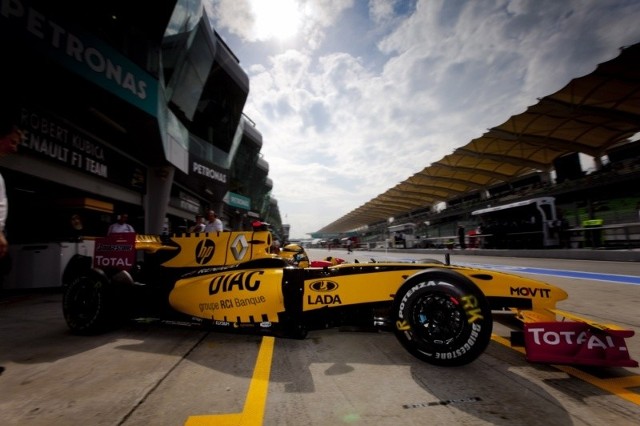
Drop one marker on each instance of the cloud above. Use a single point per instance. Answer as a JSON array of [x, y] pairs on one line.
[[370, 93]]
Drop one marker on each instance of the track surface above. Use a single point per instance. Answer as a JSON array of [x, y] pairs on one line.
[[149, 374]]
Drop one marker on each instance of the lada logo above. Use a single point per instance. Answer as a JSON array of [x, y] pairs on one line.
[[204, 251], [239, 247], [323, 286]]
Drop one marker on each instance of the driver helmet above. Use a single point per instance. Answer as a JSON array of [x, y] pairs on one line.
[[295, 255]]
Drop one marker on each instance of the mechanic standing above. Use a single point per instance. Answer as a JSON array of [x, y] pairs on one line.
[[461, 236], [214, 224], [199, 225], [10, 138], [121, 226]]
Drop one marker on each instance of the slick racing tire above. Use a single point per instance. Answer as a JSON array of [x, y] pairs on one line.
[[442, 318], [89, 304]]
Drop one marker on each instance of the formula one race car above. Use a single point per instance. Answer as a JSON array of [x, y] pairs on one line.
[[441, 313]]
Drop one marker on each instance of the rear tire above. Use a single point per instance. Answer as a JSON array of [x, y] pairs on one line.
[[442, 318], [89, 304]]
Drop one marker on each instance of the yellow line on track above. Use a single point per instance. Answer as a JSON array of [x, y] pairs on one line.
[[619, 386], [253, 412]]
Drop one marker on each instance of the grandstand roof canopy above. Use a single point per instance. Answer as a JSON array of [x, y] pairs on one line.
[[589, 115]]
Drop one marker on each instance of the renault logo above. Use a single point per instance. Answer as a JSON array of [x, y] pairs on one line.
[[239, 247]]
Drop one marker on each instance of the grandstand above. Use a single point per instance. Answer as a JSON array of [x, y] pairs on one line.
[[538, 153]]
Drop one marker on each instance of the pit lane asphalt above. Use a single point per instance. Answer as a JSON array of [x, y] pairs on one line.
[[154, 374]]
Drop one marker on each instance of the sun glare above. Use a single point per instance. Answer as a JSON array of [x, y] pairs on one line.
[[276, 19]]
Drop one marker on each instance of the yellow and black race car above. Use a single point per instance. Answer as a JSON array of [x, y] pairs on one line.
[[441, 313]]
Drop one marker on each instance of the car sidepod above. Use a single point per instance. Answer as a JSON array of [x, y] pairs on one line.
[[234, 297], [442, 317]]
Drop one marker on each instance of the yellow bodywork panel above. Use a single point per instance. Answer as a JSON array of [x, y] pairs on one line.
[[237, 296], [209, 249], [152, 244], [535, 316], [351, 289], [592, 323], [377, 286], [555, 315], [501, 284]]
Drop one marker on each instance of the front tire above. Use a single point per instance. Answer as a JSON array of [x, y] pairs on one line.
[[88, 304], [442, 318]]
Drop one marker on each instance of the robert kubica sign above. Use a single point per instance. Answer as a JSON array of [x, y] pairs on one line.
[[53, 139]]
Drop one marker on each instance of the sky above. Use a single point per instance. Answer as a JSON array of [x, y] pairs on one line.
[[352, 97]]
